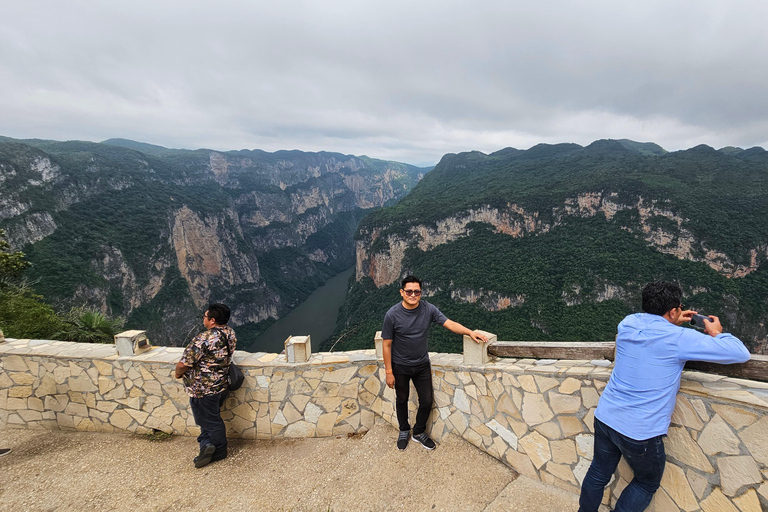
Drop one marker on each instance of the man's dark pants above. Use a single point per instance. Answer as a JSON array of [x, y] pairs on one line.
[[421, 375], [646, 458], [207, 413]]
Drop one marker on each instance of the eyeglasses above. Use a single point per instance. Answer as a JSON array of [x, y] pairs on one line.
[[415, 293], [203, 317], [682, 306]]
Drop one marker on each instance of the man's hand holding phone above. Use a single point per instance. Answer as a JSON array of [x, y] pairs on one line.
[[710, 324]]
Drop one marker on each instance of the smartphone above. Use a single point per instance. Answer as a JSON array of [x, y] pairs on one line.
[[697, 321]]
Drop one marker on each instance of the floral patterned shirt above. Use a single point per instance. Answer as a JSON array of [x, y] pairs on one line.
[[208, 359]]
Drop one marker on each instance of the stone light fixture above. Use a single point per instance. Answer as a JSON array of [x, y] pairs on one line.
[[298, 349], [129, 343]]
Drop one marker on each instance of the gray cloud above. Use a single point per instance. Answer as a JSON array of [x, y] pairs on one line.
[[400, 80]]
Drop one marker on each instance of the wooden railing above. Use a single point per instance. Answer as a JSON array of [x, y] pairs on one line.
[[754, 369]]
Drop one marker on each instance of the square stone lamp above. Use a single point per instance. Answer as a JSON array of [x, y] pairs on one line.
[[129, 343], [298, 349]]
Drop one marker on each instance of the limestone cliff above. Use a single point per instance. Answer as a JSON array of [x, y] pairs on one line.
[[385, 266], [556, 242], [154, 234]]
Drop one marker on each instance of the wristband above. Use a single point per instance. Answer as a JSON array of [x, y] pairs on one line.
[[388, 371]]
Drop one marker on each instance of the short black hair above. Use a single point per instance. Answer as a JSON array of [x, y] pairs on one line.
[[410, 279], [660, 296], [219, 312]]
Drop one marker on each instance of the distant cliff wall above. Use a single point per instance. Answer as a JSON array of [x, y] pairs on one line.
[[384, 266], [155, 236]]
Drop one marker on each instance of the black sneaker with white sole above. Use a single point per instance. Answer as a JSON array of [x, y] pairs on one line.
[[402, 439], [424, 440]]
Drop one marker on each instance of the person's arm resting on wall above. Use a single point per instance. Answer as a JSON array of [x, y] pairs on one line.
[[714, 347], [460, 329]]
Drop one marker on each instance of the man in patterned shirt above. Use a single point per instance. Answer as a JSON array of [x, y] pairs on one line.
[[204, 367]]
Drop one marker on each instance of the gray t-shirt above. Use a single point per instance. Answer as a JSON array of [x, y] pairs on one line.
[[407, 328]]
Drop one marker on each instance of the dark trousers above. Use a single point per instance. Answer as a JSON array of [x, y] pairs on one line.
[[421, 375], [646, 458], [207, 413]]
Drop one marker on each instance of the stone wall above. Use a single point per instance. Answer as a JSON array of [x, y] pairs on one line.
[[535, 416]]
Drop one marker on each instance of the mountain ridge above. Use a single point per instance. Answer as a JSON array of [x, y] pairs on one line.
[[696, 215], [154, 236]]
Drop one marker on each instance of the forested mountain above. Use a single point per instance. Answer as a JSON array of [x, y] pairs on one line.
[[556, 242], [152, 234]]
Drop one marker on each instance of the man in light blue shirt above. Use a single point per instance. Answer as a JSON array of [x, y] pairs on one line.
[[635, 409]]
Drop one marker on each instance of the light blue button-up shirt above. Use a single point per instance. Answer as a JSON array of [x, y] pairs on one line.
[[650, 355]]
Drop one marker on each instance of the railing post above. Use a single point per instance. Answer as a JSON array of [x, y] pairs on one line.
[[298, 349], [378, 342], [477, 353]]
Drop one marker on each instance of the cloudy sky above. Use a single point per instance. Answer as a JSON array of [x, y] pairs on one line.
[[400, 80]]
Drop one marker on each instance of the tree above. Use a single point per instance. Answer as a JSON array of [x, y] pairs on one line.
[[23, 314], [89, 326], [12, 264]]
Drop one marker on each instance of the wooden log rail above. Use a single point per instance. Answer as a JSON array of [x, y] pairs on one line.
[[754, 369]]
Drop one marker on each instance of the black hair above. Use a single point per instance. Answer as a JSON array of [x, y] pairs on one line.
[[660, 296], [219, 312], [410, 279]]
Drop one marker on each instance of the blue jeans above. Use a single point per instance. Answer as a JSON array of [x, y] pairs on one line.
[[207, 413], [646, 458]]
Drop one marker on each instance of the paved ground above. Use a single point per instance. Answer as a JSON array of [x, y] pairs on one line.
[[68, 471]]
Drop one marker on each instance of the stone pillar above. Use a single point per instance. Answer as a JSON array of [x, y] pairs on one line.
[[298, 349], [477, 353], [129, 343], [378, 342], [2, 337]]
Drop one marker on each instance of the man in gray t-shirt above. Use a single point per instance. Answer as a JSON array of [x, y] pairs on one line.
[[406, 357]]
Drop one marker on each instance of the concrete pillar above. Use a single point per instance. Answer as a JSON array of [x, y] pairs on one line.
[[298, 349], [129, 343], [477, 353], [378, 342]]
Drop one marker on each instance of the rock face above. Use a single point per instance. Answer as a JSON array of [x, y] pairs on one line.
[[575, 230], [153, 234], [386, 266]]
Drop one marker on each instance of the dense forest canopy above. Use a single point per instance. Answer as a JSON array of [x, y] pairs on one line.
[[153, 234], [604, 220]]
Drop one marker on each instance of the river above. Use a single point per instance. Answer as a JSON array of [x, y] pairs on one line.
[[315, 317]]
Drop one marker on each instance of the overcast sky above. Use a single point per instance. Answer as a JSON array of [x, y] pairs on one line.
[[399, 80]]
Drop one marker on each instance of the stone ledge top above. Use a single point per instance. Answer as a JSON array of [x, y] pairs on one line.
[[752, 393]]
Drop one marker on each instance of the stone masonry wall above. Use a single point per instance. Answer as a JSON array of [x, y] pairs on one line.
[[535, 416]]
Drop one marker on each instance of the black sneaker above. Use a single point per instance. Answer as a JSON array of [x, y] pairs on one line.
[[402, 439], [424, 440], [206, 452], [6, 451]]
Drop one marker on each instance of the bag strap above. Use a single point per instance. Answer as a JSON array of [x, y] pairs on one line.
[[225, 336]]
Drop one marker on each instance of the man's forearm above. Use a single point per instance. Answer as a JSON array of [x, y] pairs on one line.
[[457, 328], [386, 353], [181, 369]]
